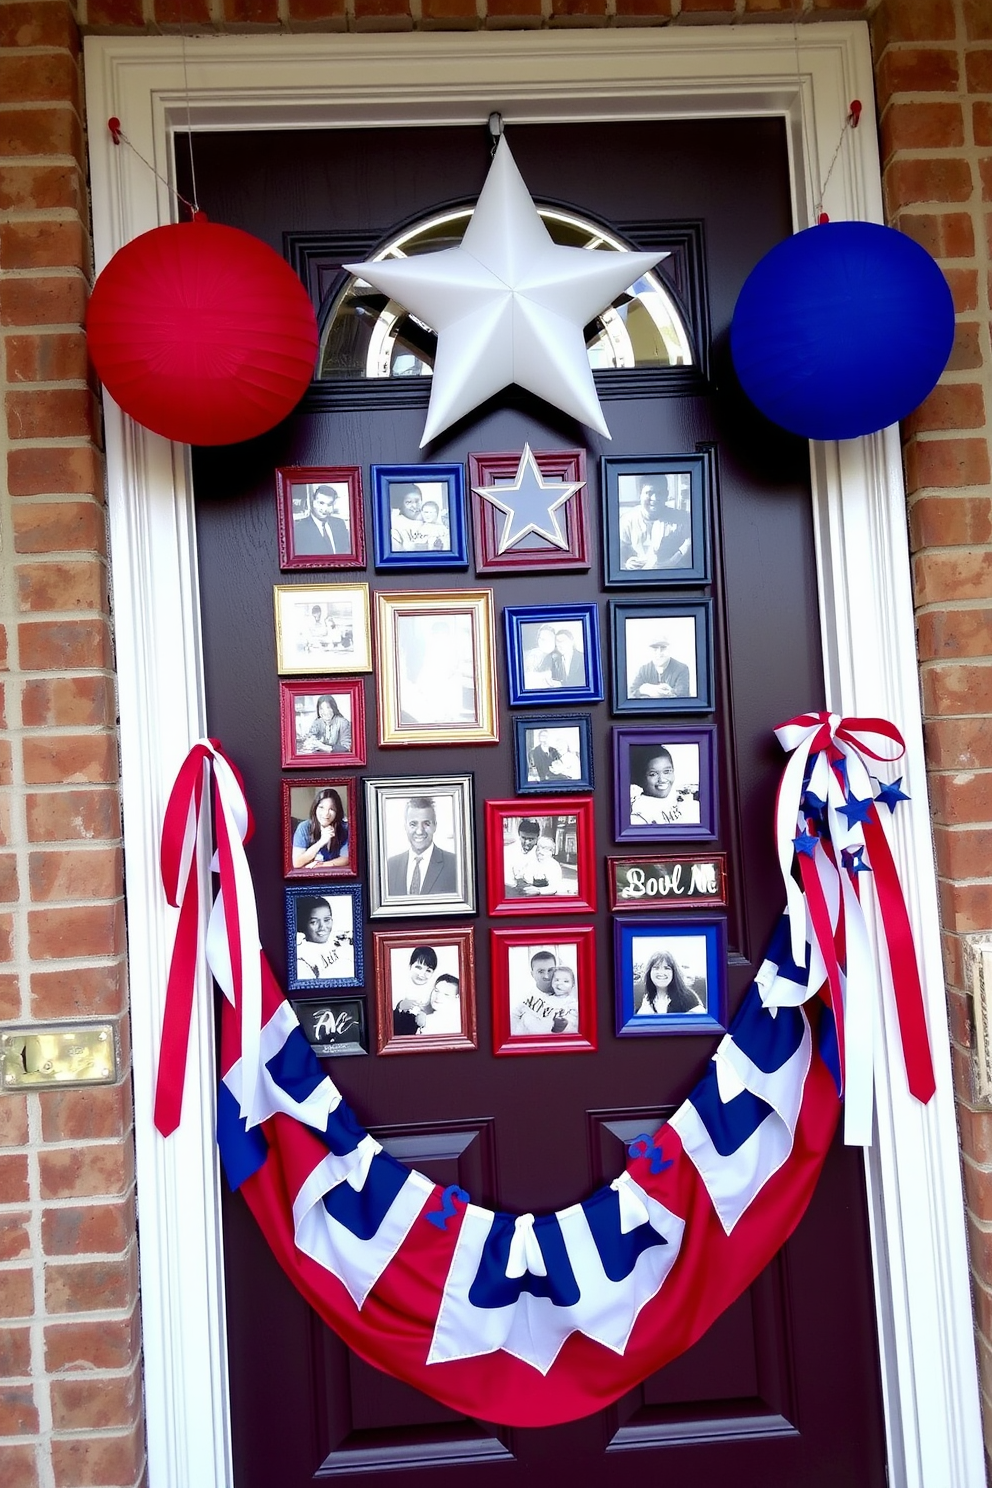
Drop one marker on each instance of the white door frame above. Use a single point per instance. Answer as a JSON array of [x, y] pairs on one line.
[[933, 1424]]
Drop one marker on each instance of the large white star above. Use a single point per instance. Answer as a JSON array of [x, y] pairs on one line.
[[508, 305]]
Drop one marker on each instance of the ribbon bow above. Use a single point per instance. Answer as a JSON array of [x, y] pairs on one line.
[[828, 828], [232, 943]]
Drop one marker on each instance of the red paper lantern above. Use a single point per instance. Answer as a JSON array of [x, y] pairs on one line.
[[202, 333]]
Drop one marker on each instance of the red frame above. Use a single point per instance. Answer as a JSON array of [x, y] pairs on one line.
[[673, 901], [584, 901], [315, 687], [314, 475], [318, 782], [581, 936], [566, 465], [387, 1042]]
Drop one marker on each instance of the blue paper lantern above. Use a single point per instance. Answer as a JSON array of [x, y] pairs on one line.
[[842, 329]]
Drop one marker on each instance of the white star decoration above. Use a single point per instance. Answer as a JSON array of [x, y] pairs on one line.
[[530, 503], [508, 305]]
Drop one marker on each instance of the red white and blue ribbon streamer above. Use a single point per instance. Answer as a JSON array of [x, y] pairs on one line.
[[519, 1319]]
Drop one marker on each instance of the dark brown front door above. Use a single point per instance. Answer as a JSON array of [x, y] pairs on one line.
[[784, 1388]]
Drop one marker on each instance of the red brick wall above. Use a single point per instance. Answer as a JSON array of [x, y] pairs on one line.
[[69, 1347], [934, 80]]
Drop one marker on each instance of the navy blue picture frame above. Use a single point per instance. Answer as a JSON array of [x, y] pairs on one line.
[[690, 942], [523, 694], [694, 568], [453, 477], [353, 963], [700, 612], [531, 724]]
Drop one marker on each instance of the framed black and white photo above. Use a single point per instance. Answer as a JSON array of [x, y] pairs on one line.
[[655, 519], [436, 667], [671, 976], [418, 516], [322, 724], [553, 753], [324, 936], [552, 654], [322, 628], [319, 516], [665, 784], [425, 990], [544, 990], [540, 856], [320, 828], [420, 847], [662, 657], [334, 1026]]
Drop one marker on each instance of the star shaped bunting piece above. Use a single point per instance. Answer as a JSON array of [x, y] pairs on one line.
[[854, 860], [891, 794], [855, 810], [805, 842], [508, 304], [530, 503]]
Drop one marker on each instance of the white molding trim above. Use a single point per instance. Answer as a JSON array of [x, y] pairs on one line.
[[916, 1212]]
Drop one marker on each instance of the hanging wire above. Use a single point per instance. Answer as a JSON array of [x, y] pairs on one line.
[[851, 122], [120, 138], [189, 126]]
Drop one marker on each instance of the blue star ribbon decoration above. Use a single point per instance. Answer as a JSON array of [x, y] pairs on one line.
[[812, 803], [530, 503], [805, 842], [853, 860], [891, 794], [856, 810]]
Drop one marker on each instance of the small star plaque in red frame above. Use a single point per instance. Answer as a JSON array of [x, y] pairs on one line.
[[532, 550]]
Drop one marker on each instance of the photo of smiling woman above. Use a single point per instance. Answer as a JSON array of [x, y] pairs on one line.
[[318, 821], [663, 988]]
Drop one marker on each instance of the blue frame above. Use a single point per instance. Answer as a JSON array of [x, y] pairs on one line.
[[713, 930], [699, 467], [353, 892], [701, 612], [516, 616], [454, 477], [530, 724]]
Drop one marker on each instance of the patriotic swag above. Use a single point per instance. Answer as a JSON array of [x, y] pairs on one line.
[[527, 1320]]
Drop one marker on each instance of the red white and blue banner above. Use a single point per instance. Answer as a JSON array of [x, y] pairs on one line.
[[523, 1319]]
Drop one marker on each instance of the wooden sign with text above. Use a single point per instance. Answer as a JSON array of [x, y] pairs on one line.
[[694, 880]]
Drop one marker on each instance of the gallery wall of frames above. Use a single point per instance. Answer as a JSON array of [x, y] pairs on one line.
[[404, 863]]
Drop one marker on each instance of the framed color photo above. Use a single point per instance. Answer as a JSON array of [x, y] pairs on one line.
[[544, 990], [553, 753], [662, 657], [418, 516], [665, 784], [496, 548], [322, 723], [319, 516], [671, 976], [323, 628], [425, 990], [540, 856], [324, 937], [552, 654], [436, 667], [656, 519], [334, 1025], [420, 847], [691, 881], [320, 828]]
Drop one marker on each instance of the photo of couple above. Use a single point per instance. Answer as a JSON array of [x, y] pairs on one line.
[[553, 656]]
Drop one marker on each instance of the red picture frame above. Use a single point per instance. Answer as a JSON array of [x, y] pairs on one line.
[[524, 1010], [297, 797], [294, 485], [526, 876], [533, 551], [295, 711], [460, 944]]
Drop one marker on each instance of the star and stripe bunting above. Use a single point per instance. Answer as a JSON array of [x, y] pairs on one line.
[[520, 1319]]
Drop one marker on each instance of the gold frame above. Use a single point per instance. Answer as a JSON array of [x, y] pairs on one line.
[[390, 605], [325, 662]]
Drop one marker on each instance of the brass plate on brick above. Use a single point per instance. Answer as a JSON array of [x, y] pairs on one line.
[[43, 1058]]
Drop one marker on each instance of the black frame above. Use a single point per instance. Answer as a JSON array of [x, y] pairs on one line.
[[586, 779], [697, 467], [701, 611]]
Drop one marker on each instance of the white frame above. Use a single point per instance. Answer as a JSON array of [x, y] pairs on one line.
[[933, 1425]]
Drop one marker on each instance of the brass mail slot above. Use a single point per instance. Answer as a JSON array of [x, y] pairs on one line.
[[41, 1058]]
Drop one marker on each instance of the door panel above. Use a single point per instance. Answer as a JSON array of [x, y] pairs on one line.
[[761, 1396]]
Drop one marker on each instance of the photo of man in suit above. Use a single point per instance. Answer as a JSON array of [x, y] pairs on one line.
[[321, 533], [423, 868]]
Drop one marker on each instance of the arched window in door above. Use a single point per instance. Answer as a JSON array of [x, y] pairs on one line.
[[367, 335]]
